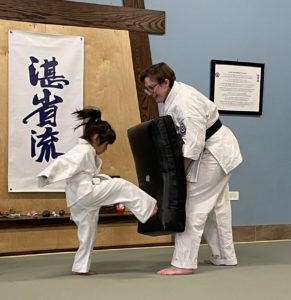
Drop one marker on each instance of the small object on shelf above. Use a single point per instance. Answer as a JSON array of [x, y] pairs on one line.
[[11, 213], [119, 208], [14, 215], [61, 212], [33, 214], [46, 213]]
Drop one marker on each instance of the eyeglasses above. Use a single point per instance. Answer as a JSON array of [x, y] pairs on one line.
[[150, 89]]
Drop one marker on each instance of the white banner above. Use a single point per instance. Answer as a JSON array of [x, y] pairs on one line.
[[45, 85]]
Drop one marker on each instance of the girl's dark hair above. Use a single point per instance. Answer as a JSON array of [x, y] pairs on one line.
[[159, 72], [91, 120]]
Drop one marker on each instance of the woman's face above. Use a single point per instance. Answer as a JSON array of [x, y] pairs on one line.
[[99, 148], [159, 91]]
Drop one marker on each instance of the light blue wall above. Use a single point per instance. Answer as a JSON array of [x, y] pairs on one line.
[[245, 30]]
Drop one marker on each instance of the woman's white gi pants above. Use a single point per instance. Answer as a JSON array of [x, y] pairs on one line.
[[86, 212], [208, 212]]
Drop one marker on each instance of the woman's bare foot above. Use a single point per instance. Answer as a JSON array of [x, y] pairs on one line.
[[154, 210], [90, 272], [175, 271]]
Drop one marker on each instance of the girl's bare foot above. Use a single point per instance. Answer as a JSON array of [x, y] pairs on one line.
[[175, 271]]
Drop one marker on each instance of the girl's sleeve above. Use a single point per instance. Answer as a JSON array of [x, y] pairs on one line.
[[63, 167]]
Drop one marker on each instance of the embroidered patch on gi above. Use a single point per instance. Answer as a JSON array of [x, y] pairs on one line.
[[182, 128]]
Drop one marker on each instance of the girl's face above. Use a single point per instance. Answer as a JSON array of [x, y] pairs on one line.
[[159, 91], [99, 148]]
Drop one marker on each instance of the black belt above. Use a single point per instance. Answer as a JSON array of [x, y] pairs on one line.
[[211, 130]]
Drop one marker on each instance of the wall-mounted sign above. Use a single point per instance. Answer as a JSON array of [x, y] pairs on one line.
[[237, 87]]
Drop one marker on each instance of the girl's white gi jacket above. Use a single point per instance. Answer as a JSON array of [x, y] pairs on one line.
[[80, 167], [193, 113]]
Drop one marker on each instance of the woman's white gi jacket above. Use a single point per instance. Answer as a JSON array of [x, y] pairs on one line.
[[80, 167], [193, 113]]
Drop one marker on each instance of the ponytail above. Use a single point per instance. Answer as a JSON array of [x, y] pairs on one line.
[[91, 121]]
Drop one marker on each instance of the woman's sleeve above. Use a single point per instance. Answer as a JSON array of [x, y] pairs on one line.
[[193, 137]]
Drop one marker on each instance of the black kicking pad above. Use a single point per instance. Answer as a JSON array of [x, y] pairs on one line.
[[157, 153]]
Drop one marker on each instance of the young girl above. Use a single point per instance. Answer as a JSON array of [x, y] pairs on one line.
[[87, 190]]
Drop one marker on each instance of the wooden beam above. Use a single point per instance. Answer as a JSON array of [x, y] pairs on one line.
[[141, 57], [68, 13]]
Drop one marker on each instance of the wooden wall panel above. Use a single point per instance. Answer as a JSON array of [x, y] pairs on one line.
[[109, 85]]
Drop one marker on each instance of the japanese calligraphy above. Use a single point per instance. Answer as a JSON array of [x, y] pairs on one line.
[[43, 143]]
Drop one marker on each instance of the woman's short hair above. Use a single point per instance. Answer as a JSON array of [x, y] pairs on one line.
[[159, 72]]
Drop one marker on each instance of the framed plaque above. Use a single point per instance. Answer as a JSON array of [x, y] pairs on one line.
[[237, 87]]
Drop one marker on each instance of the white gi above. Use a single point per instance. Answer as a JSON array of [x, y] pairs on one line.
[[208, 209], [87, 191]]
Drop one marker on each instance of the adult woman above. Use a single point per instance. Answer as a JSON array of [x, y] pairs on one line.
[[211, 152]]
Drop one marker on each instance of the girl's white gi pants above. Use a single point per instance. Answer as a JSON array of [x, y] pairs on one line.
[[86, 212], [208, 212]]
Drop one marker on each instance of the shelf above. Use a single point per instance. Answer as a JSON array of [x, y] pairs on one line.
[[29, 222]]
